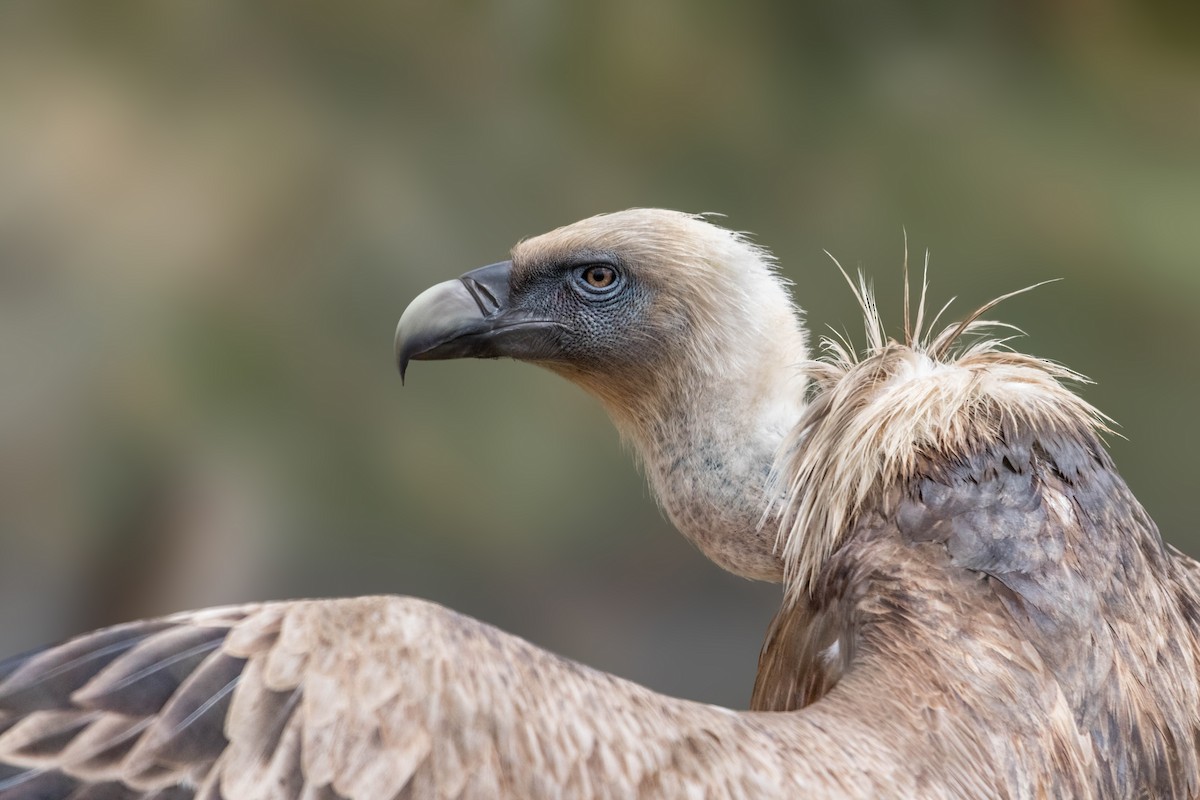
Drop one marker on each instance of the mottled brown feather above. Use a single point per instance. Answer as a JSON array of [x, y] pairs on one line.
[[957, 536]]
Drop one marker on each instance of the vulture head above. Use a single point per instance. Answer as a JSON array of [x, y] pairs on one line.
[[684, 332]]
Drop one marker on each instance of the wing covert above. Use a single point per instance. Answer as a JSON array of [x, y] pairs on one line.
[[360, 699]]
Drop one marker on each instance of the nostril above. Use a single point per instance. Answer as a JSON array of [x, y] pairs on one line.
[[487, 302]]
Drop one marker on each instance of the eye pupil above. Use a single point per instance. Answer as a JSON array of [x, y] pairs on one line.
[[600, 277]]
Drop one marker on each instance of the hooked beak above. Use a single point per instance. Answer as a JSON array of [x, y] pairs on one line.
[[470, 317]]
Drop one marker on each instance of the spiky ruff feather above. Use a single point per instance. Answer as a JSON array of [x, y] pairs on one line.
[[872, 417]]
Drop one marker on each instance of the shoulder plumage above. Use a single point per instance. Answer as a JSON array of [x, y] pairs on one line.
[[948, 503], [933, 398], [929, 401]]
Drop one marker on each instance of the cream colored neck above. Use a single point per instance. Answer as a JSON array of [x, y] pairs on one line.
[[708, 446]]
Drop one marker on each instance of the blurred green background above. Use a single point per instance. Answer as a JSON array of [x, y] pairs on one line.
[[212, 214]]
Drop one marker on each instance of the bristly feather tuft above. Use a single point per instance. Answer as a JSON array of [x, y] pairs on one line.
[[873, 415]]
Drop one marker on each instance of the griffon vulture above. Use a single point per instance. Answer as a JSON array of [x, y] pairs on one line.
[[976, 606]]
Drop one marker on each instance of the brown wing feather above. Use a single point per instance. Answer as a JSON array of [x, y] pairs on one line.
[[378, 698], [74, 715]]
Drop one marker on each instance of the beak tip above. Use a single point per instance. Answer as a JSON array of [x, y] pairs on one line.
[[400, 350]]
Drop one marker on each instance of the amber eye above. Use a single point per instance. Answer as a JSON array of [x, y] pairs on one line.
[[599, 276], [598, 281]]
